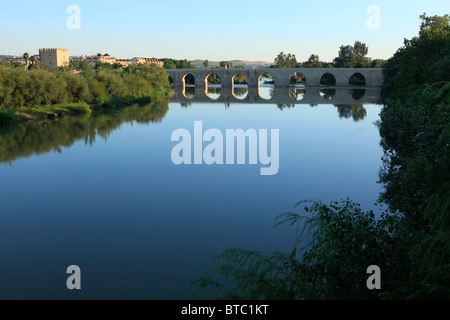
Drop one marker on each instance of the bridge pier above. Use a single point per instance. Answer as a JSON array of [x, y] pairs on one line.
[[342, 81]]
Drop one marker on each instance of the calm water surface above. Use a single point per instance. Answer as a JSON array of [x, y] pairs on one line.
[[103, 193]]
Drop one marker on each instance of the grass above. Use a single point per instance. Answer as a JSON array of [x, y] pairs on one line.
[[51, 111]]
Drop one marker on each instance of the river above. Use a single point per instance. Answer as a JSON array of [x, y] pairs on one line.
[[103, 193]]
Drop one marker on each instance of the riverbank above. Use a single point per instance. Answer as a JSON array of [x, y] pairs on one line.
[[10, 117], [38, 94]]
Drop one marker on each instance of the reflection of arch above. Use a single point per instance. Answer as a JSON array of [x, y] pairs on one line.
[[357, 79], [239, 78], [213, 92], [188, 79], [188, 92], [327, 94], [357, 93], [266, 93], [240, 91], [327, 79], [297, 94], [297, 78]]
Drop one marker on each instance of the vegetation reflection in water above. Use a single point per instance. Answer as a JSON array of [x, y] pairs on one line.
[[39, 137]]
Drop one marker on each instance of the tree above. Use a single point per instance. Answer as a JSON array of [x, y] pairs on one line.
[[285, 61], [117, 66], [434, 27], [206, 63], [33, 61], [346, 57], [176, 64], [360, 50], [313, 62], [26, 56], [377, 63], [352, 56]]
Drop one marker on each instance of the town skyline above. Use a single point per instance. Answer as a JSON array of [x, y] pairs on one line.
[[253, 32]]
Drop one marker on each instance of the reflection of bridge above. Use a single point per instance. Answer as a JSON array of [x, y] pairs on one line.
[[373, 76], [286, 96]]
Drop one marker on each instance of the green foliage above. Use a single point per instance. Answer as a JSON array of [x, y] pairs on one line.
[[340, 241], [38, 87], [313, 62], [422, 60], [176, 64], [214, 79], [352, 56], [7, 117], [285, 61], [415, 128], [378, 63]]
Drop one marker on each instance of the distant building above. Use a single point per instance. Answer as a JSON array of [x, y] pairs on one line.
[[54, 57], [106, 58], [12, 59], [124, 62], [159, 63]]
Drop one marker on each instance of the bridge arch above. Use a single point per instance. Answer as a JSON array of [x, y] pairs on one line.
[[357, 79], [188, 79], [213, 86], [327, 79], [266, 84], [239, 78], [297, 78]]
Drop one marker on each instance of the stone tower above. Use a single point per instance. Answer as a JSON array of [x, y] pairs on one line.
[[54, 57]]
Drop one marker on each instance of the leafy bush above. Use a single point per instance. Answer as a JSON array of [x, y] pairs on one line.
[[340, 242], [37, 87]]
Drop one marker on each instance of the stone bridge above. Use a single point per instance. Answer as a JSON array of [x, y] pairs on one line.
[[373, 76], [282, 96]]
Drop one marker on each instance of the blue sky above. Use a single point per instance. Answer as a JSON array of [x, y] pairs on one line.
[[214, 30]]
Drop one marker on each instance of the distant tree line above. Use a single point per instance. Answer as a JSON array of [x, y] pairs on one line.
[[348, 57], [176, 64]]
